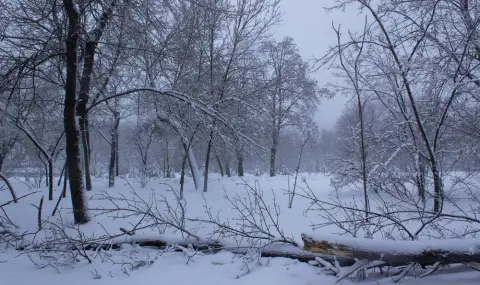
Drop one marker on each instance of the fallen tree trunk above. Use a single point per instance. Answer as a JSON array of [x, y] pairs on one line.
[[272, 250], [395, 252]]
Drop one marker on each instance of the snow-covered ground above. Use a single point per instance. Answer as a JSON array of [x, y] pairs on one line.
[[134, 265]]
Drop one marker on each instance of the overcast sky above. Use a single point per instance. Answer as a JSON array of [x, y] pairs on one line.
[[311, 27]]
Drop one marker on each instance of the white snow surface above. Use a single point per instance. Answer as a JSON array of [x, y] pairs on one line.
[[155, 267]]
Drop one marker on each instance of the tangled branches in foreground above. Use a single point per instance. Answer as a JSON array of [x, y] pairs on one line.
[[400, 215], [160, 220], [404, 221], [257, 223], [10, 233]]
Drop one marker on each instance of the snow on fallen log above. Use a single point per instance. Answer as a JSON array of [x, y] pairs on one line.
[[210, 246], [395, 252]]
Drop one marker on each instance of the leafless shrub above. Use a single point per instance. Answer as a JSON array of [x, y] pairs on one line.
[[257, 223], [131, 258], [62, 244], [10, 233], [255, 226], [401, 214], [158, 213]]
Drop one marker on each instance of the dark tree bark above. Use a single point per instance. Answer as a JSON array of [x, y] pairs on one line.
[[273, 157], [113, 149], [82, 108], [65, 180], [240, 163], [84, 94], [207, 162], [420, 179], [363, 153], [61, 173], [276, 115], [50, 179], [117, 157], [182, 175], [86, 150], [72, 134], [62, 195]]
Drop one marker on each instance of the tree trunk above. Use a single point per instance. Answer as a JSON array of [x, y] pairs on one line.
[[227, 167], [273, 156], [191, 158], [61, 173], [45, 166], [50, 180], [275, 250], [273, 150], [437, 188], [65, 180], [420, 178], [84, 94], [113, 149], [207, 162], [164, 164], [83, 121], [187, 145], [62, 195], [395, 252], [81, 108], [117, 156], [182, 175], [111, 166], [239, 164], [166, 160], [219, 162], [192, 162], [363, 154], [72, 134]]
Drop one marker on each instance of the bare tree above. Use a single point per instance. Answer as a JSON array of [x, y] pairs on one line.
[[402, 88], [292, 93]]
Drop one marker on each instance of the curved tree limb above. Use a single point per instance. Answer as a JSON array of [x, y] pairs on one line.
[[10, 187]]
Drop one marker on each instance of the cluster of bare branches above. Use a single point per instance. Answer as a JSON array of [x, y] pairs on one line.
[[398, 215], [253, 227], [256, 224], [11, 235], [408, 141], [159, 213]]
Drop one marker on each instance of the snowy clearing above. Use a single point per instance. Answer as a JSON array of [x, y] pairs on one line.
[[146, 265]]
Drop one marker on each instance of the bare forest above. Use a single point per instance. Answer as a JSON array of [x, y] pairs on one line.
[[134, 132]]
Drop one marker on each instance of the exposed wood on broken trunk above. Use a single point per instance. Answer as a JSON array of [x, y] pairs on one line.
[[395, 253]]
